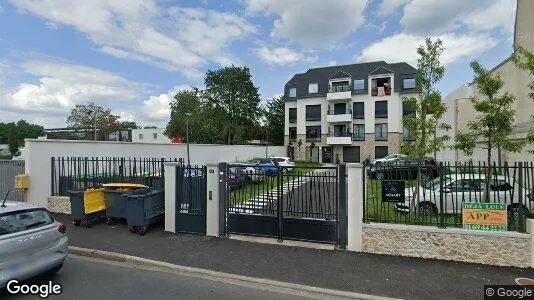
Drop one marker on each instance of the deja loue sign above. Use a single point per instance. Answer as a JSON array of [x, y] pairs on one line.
[[485, 216], [392, 191]]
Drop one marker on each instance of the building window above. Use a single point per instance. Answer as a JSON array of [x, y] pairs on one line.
[[293, 92], [292, 133], [381, 151], [408, 83], [292, 115], [358, 110], [359, 85], [155, 135], [359, 132], [407, 109], [406, 134], [381, 132], [340, 86], [313, 88], [313, 133], [140, 136], [381, 87], [381, 109], [313, 112]]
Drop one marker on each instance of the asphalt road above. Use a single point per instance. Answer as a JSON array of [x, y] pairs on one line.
[[83, 278]]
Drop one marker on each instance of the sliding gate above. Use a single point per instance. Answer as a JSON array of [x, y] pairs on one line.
[[301, 204]]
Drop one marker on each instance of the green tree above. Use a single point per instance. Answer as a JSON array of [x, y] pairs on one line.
[[494, 120], [275, 114], [524, 60], [231, 94], [187, 102], [90, 116], [14, 134], [427, 107]]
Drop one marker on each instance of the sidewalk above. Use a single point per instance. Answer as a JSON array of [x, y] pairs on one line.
[[380, 275]]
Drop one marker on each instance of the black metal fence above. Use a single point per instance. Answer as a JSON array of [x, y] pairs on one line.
[[8, 170], [191, 189], [424, 193], [70, 173]]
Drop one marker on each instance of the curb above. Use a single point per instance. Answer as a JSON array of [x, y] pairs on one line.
[[258, 283]]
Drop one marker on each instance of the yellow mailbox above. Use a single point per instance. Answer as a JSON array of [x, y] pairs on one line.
[[22, 181]]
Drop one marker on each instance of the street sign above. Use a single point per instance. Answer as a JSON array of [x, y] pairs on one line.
[[392, 191], [485, 216]]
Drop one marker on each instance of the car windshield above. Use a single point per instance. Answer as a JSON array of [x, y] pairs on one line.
[[23, 220], [265, 161]]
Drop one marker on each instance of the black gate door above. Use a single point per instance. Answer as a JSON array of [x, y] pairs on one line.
[[301, 204], [191, 199]]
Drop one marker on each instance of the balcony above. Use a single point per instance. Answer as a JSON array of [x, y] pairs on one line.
[[334, 116], [342, 92], [339, 139], [381, 91]]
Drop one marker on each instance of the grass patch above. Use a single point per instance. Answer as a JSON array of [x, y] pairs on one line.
[[270, 183]]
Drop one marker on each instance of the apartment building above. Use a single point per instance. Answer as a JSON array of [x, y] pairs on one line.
[[347, 113], [460, 110]]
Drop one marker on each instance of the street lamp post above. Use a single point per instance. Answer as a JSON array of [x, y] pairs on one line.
[[187, 137]]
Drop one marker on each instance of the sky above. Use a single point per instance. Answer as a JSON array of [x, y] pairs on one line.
[[134, 55]]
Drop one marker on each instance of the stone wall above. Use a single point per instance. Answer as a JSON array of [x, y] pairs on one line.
[[59, 204], [491, 248]]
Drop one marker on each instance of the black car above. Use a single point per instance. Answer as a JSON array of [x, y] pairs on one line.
[[236, 178], [404, 169]]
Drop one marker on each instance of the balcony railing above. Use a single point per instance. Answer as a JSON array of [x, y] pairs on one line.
[[358, 116], [313, 139], [381, 137], [337, 112], [387, 91], [340, 134], [292, 120], [358, 137], [340, 88]]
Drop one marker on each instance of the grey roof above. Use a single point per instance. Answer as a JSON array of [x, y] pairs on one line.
[[15, 206], [356, 71]]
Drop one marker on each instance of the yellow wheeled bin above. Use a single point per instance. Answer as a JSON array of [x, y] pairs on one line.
[[87, 206]]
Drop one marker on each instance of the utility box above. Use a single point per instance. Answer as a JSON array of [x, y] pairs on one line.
[[22, 181]]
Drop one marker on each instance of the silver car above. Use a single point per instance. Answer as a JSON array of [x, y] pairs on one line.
[[31, 242]]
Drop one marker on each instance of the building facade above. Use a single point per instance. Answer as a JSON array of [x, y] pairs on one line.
[[150, 135], [347, 113], [460, 110]]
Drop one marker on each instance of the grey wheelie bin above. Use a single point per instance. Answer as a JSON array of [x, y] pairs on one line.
[[114, 194], [87, 206], [144, 208]]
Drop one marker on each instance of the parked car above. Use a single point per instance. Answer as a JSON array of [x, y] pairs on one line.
[[31, 242], [236, 178], [389, 158], [404, 169], [284, 162], [268, 166], [252, 174], [466, 188]]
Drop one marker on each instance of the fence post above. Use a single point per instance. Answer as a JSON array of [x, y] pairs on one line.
[[280, 205], [53, 172], [224, 197], [342, 206], [213, 210], [170, 197], [521, 212], [441, 203], [356, 182]]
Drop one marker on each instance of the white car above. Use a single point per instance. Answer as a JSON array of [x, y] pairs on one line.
[[389, 158], [465, 188], [284, 162]]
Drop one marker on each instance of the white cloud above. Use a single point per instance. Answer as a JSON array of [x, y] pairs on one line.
[[282, 56], [176, 39], [156, 109], [1, 10], [387, 7], [424, 17], [402, 47], [312, 23]]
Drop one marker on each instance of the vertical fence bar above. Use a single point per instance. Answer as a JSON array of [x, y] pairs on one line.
[[342, 207], [53, 175], [280, 208], [520, 216], [441, 198]]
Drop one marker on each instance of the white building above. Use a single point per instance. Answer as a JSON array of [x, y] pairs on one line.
[[347, 113], [4, 150], [150, 135]]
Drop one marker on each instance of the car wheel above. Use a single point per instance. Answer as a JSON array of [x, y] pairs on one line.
[[76, 223], [427, 208], [514, 211]]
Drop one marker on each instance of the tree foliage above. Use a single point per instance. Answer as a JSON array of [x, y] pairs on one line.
[[274, 115], [427, 107], [227, 111], [494, 120], [14, 134], [524, 60]]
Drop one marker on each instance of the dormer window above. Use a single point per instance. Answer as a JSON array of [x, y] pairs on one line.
[[293, 92], [408, 83], [381, 86], [340, 86], [313, 88]]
